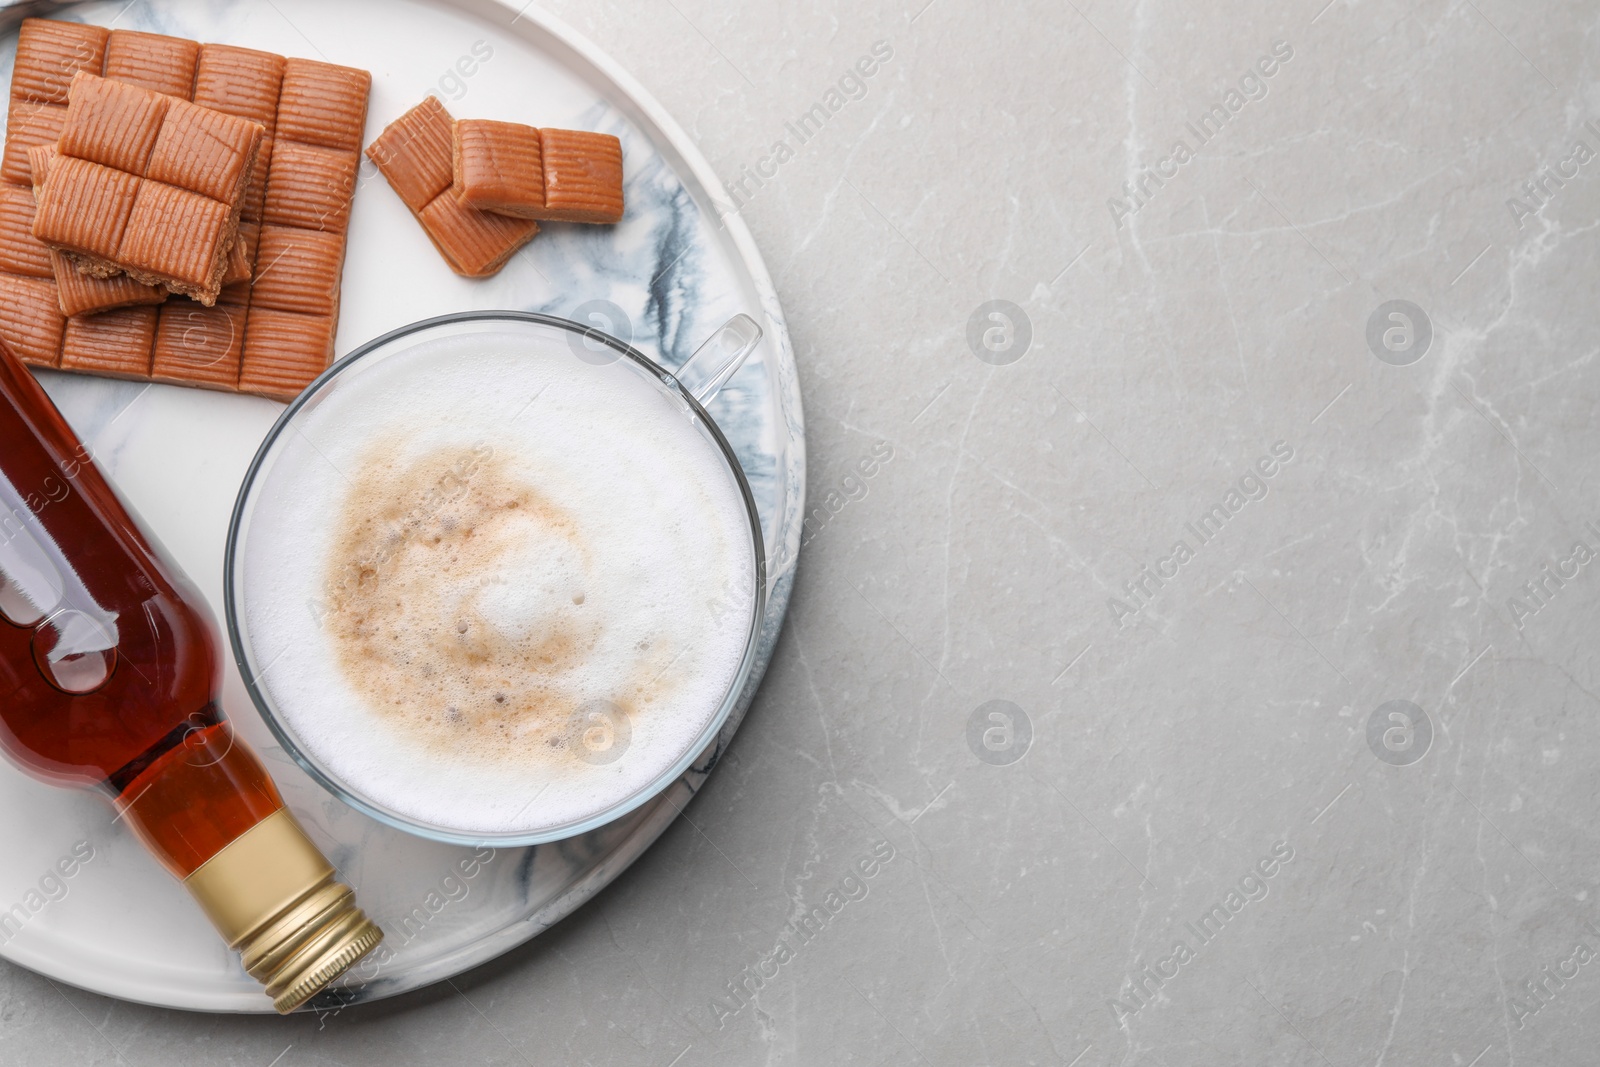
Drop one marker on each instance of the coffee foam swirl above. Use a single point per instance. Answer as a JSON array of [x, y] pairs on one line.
[[431, 626], [527, 582]]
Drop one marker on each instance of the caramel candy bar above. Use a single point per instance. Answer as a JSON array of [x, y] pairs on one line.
[[80, 294], [273, 346], [147, 185], [414, 155], [554, 175]]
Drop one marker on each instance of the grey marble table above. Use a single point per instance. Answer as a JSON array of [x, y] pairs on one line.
[[1191, 659]]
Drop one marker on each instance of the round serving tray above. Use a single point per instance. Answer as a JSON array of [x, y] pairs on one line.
[[675, 268]]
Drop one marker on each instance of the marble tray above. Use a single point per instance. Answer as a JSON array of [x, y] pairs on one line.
[[675, 269]]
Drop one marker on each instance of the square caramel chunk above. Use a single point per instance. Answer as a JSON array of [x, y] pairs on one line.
[[31, 322], [476, 244], [310, 187], [297, 270], [323, 104], [29, 126], [499, 167], [112, 124], [284, 351], [152, 61], [582, 176], [204, 151], [115, 344], [177, 238], [49, 53], [85, 207], [199, 345], [240, 81], [414, 155], [20, 252]]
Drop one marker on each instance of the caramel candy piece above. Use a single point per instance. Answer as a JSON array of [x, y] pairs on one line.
[[323, 104], [84, 294], [112, 124], [152, 61], [85, 207], [412, 153], [240, 81], [498, 166], [284, 351], [582, 176], [49, 53], [204, 151], [297, 270], [20, 252], [114, 343], [310, 187], [178, 239], [198, 345], [28, 126], [475, 243], [80, 293], [31, 319]]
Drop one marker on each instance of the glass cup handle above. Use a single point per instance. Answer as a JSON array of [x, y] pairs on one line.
[[724, 352]]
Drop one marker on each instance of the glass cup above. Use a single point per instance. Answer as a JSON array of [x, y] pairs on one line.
[[688, 390]]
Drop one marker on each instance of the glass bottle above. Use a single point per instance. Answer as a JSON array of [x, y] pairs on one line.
[[110, 674]]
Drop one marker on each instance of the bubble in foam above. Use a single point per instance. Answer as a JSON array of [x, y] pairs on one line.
[[521, 608]]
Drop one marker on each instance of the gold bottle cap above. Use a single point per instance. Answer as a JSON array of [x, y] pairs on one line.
[[273, 896]]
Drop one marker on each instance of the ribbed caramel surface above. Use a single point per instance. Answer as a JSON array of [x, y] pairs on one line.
[[31, 320], [204, 151], [49, 53], [152, 61], [242, 254], [240, 81], [413, 153], [323, 105], [284, 350], [197, 345], [476, 243], [310, 187], [85, 207], [294, 267], [175, 234], [29, 125], [582, 176], [83, 294], [114, 343], [112, 124], [498, 166], [19, 252]]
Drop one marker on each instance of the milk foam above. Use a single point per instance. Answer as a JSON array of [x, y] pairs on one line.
[[497, 593]]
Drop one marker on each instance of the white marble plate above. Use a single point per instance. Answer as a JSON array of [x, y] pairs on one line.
[[119, 925]]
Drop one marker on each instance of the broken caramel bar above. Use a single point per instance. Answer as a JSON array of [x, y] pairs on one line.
[[414, 155], [554, 175], [147, 185], [273, 347]]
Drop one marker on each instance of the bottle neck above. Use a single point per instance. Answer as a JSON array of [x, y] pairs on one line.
[[193, 799]]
